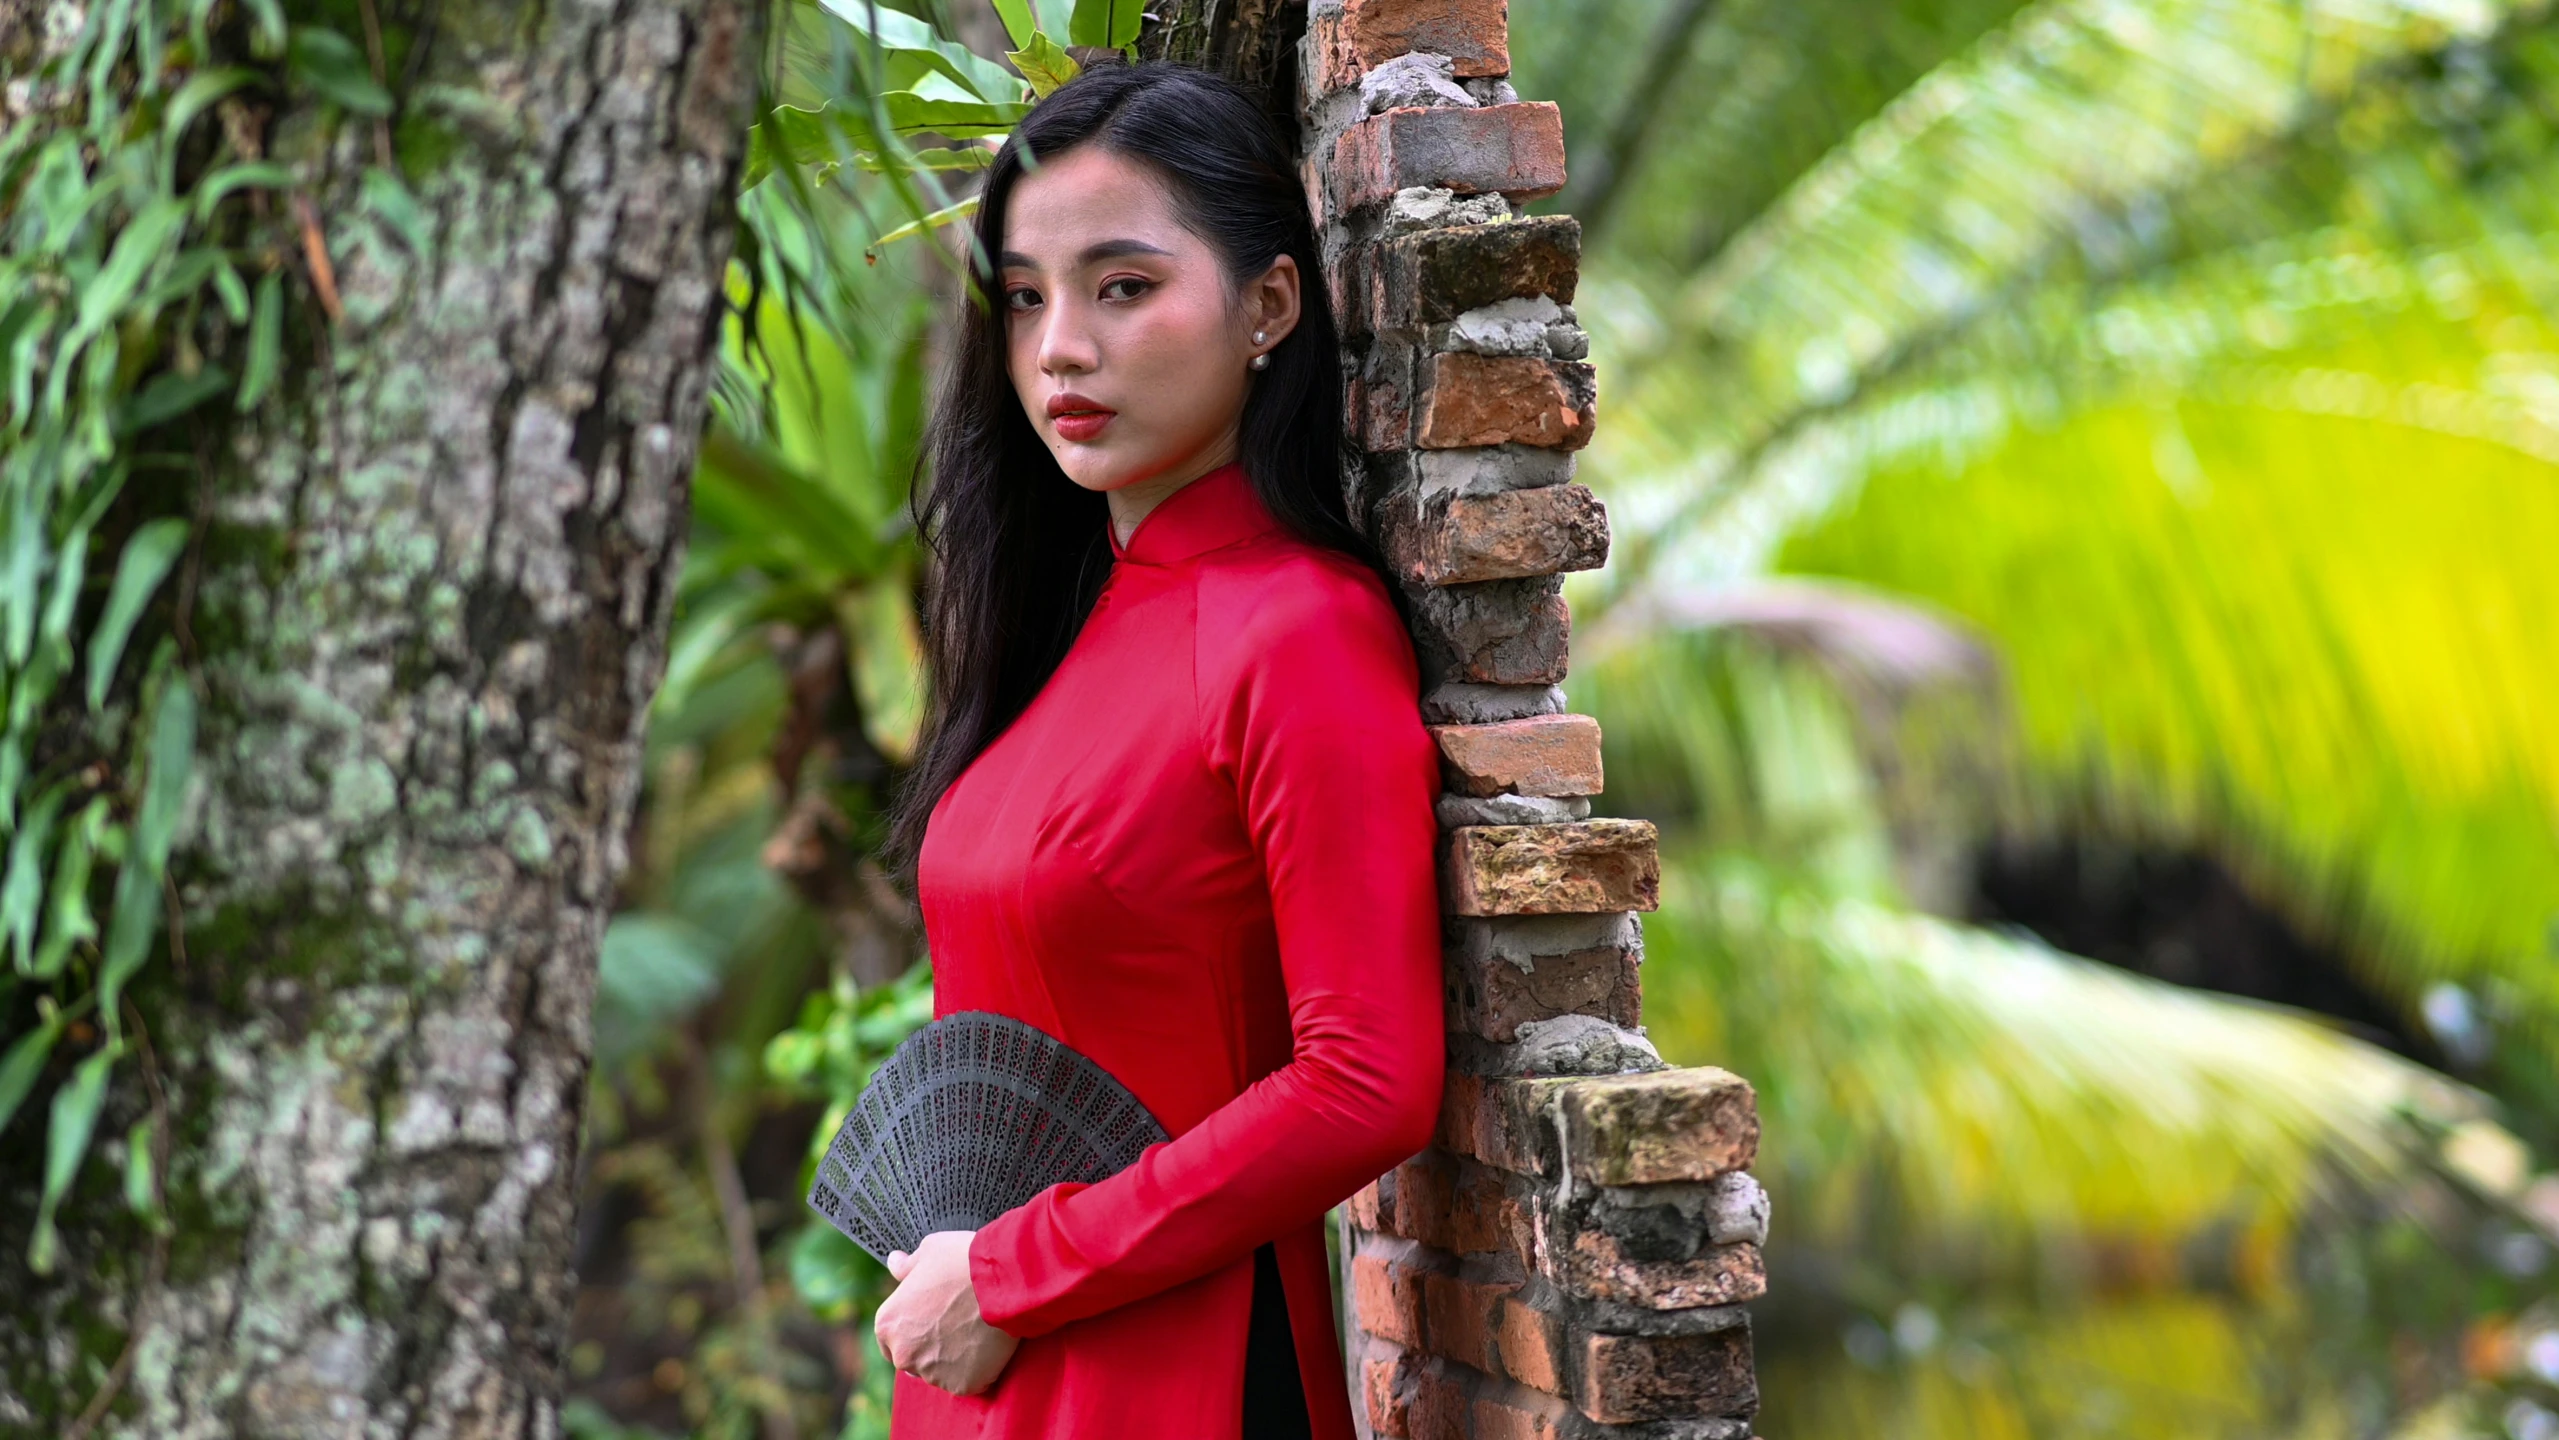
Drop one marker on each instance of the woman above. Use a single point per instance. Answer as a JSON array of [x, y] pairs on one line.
[[1174, 805]]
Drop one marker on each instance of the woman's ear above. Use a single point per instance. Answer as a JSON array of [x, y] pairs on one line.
[[1272, 302]]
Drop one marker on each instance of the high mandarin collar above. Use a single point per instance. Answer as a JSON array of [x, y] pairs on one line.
[[1217, 509]]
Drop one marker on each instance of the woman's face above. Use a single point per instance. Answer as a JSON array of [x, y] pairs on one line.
[[1130, 354]]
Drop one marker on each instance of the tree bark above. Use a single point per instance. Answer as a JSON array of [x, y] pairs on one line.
[[428, 610], [1253, 42]]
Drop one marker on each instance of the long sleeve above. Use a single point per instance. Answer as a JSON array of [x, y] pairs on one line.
[[1306, 703]]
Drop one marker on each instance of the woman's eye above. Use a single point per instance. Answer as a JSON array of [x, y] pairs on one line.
[[1143, 285], [1012, 297]]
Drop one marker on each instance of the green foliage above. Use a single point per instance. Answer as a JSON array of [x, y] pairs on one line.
[[123, 311], [887, 77], [1964, 1093], [842, 1036], [2198, 354]]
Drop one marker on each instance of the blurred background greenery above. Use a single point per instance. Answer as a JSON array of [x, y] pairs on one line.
[[2086, 563]]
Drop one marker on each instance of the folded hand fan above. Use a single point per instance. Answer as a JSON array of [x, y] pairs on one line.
[[970, 1116]]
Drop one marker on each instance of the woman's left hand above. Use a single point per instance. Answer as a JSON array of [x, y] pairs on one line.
[[929, 1325]]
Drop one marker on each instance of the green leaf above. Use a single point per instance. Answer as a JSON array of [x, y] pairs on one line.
[[138, 247], [266, 174], [1044, 63], [827, 1269], [199, 94], [938, 157], [62, 601], [268, 38], [332, 66], [171, 761], [1111, 23], [843, 131], [135, 917], [137, 1168], [387, 196], [66, 1140], [235, 295], [266, 342], [1018, 23], [68, 919], [191, 269], [169, 396], [902, 51], [934, 221], [146, 560], [24, 1062], [655, 967], [21, 573], [22, 893]]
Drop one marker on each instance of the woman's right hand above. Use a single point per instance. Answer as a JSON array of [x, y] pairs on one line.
[[929, 1326]]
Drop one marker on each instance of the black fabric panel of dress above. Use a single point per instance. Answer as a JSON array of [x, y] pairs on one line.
[[1274, 1395]]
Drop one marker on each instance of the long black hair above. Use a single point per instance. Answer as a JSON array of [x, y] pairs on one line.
[[1020, 550]]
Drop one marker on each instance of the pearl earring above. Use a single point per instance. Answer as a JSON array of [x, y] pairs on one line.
[[1260, 362]]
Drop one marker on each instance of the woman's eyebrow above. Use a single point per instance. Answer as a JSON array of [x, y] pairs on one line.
[[1098, 250]]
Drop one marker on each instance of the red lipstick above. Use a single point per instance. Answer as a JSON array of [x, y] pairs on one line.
[[1078, 417]]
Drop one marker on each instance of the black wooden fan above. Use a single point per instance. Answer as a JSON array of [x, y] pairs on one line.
[[970, 1116]]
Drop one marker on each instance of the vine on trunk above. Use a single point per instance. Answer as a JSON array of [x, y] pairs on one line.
[[146, 245]]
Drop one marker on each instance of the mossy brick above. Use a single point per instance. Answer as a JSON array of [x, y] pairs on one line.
[[1595, 1265], [1583, 867], [1513, 534], [1690, 1124], [1627, 1379], [1433, 276]]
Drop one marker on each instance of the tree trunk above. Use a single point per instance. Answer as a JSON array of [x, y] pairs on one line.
[[1253, 42], [428, 610]]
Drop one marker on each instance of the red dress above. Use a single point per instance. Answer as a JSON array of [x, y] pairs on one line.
[[1202, 856]]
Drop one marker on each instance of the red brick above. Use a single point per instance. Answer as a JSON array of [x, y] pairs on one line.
[[1539, 755], [1461, 1315], [1364, 34], [1470, 399], [1491, 997], [1581, 868], [1531, 1345], [1364, 1208], [1381, 397], [1386, 1287], [1443, 1399], [1517, 149], [1519, 1414], [1598, 1267], [1463, 539], [1632, 1378], [1455, 1205], [1387, 1382]]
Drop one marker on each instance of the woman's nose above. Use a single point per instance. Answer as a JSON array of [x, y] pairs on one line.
[[1066, 341]]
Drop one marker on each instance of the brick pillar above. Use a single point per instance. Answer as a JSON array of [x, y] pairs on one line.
[[1570, 1256]]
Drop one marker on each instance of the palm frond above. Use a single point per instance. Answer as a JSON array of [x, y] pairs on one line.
[[2059, 150]]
